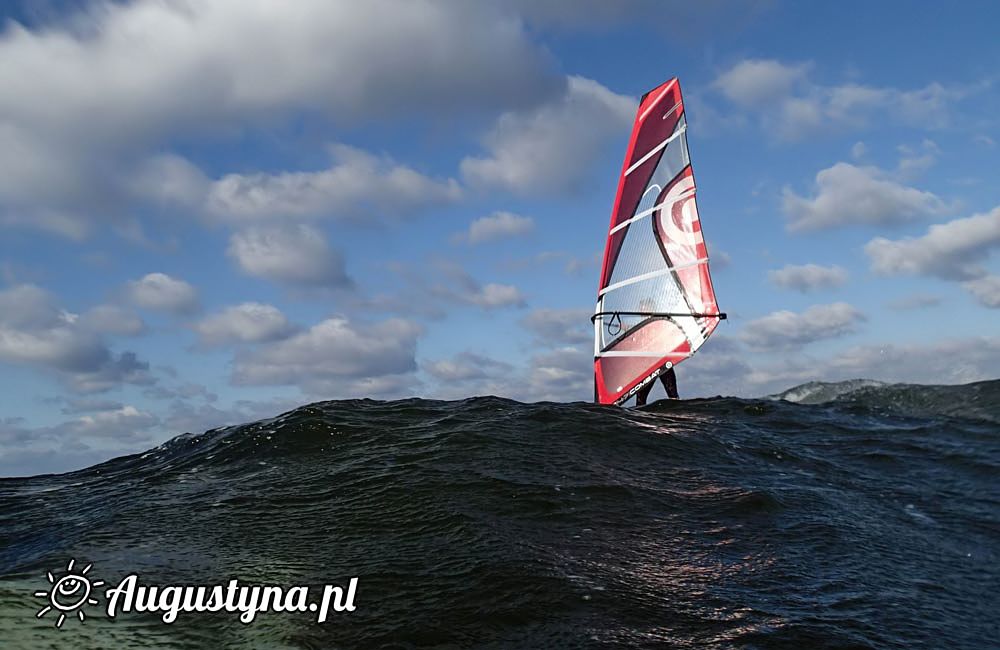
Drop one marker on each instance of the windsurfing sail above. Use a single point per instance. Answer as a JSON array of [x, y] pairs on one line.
[[655, 304]]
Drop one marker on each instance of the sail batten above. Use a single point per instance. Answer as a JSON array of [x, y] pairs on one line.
[[655, 303]]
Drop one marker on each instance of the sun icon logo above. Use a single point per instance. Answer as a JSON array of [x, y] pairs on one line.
[[70, 593]]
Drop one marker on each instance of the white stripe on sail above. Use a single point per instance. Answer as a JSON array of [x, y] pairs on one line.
[[651, 274], [646, 213], [643, 353], [654, 150], [674, 108], [656, 101]]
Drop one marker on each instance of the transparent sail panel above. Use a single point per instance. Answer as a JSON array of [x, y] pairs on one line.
[[675, 158], [640, 253], [658, 294]]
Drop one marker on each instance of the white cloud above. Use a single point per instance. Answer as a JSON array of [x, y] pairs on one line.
[[858, 150], [986, 290], [249, 322], [494, 296], [786, 328], [948, 361], [29, 306], [183, 391], [551, 149], [428, 289], [499, 225], [789, 104], [194, 68], [915, 301], [71, 445], [565, 373], [184, 416], [847, 194], [35, 333], [951, 251], [111, 372], [88, 405], [724, 366], [808, 277], [113, 319], [124, 422], [354, 186], [332, 356], [160, 292], [754, 82], [169, 179], [459, 286], [465, 367], [560, 326], [914, 161], [295, 255]]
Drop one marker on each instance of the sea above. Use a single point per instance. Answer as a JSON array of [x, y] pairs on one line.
[[830, 516]]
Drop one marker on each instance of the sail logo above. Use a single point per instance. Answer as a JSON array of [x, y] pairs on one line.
[[72, 591]]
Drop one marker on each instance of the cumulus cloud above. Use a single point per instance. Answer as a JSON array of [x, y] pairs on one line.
[[294, 255], [950, 251], [160, 292], [847, 194], [560, 326], [126, 421], [113, 319], [499, 225], [808, 277], [163, 69], [914, 161], [786, 328], [111, 372], [457, 285], [103, 430], [184, 391], [788, 103], [551, 149], [249, 322], [185, 416], [915, 301], [35, 332], [753, 82], [332, 356], [87, 405], [986, 290], [358, 182], [464, 367], [493, 296], [950, 361], [560, 374]]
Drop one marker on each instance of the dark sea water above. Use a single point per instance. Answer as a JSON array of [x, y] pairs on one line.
[[860, 516]]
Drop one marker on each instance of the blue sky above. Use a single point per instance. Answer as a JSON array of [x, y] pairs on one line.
[[214, 211]]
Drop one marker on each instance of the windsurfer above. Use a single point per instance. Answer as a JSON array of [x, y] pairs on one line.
[[667, 377], [669, 381]]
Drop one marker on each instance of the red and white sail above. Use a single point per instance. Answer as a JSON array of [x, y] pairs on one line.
[[655, 303]]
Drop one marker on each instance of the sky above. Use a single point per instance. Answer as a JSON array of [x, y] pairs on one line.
[[212, 212]]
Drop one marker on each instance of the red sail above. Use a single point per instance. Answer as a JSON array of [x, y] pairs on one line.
[[655, 303]]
